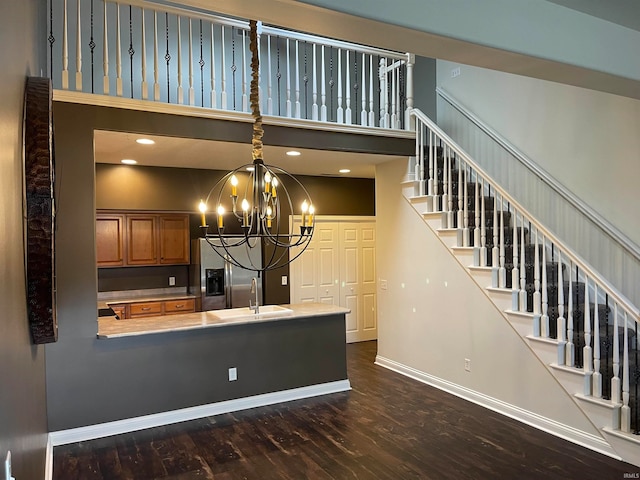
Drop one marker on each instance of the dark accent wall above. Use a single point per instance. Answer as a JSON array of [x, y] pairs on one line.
[[424, 74], [91, 380], [23, 414]]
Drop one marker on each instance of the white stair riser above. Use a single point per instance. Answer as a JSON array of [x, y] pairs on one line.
[[465, 257], [547, 352], [449, 237], [627, 449], [501, 299], [600, 415], [481, 276], [572, 382]]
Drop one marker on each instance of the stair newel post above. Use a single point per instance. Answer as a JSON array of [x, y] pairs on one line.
[[465, 216], [587, 351], [483, 230], [523, 271], [537, 300], [597, 376], [561, 332], [570, 350], [476, 223], [495, 248], [625, 411], [515, 272], [615, 381], [502, 273], [544, 319], [411, 60], [445, 187]]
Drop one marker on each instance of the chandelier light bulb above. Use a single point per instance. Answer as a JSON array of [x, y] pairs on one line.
[[234, 185], [220, 216], [203, 209], [274, 184]]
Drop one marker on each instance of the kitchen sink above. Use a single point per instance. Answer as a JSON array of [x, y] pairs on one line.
[[264, 311]]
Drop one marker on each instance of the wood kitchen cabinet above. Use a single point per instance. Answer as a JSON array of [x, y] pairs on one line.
[[141, 238], [110, 240], [153, 308]]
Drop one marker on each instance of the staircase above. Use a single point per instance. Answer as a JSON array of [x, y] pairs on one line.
[[580, 327]]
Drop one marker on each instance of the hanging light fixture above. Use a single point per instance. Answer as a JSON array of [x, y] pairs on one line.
[[258, 200]]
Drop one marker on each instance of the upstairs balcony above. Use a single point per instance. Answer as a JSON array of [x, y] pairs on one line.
[[146, 56]]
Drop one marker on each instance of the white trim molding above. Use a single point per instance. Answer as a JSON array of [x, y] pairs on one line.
[[592, 442], [90, 432]]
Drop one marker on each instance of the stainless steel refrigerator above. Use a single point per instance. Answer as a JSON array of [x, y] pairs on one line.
[[217, 282]]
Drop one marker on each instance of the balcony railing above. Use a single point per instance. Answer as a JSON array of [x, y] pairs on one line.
[[146, 51]]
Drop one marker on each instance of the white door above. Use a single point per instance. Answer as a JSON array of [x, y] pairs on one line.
[[358, 279]]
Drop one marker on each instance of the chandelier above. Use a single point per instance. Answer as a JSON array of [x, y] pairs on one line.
[[263, 203]]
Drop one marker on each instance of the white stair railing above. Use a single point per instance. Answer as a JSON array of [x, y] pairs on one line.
[[594, 336], [206, 64]]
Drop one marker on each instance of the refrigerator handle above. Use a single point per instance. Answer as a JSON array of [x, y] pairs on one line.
[[227, 283]]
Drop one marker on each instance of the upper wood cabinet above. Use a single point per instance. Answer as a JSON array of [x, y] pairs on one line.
[[110, 240], [133, 239]]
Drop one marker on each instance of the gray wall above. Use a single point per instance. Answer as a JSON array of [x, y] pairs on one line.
[[90, 380], [23, 423]]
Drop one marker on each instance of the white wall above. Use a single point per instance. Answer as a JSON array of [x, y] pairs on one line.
[[433, 315], [589, 141]]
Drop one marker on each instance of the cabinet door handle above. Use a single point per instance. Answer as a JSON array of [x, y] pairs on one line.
[[180, 306], [144, 309]]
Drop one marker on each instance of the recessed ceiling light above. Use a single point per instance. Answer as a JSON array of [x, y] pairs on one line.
[[128, 161], [293, 153], [344, 170], [145, 141]]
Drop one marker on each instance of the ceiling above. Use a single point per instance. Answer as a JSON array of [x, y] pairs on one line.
[[621, 12], [112, 147]]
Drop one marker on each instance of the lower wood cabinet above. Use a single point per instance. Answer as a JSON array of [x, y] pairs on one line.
[[153, 309]]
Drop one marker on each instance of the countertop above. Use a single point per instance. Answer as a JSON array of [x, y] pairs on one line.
[[109, 327]]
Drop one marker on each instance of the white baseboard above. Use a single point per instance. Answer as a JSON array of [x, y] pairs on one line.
[[80, 434], [566, 432]]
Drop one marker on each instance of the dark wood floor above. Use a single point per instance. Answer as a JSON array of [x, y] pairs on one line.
[[388, 427]]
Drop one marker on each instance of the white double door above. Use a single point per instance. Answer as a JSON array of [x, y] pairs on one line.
[[338, 268]]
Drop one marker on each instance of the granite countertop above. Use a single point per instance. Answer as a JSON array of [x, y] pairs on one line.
[[133, 296], [109, 327]]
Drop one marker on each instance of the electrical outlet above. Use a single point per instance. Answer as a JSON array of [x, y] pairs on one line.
[[233, 374], [455, 72], [383, 284], [467, 365], [284, 280], [172, 281]]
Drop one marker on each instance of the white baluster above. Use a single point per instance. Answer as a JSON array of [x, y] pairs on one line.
[[372, 115], [223, 73], [483, 230], [562, 323], [544, 320], [476, 226], [323, 95], [156, 68], [65, 47], [118, 54], [465, 230], [105, 54], [422, 186], [515, 272], [615, 381], [445, 185], [625, 411], [495, 252], [314, 90], [394, 100], [298, 112], [460, 213], [597, 376], [179, 61], [78, 49], [363, 113], [502, 273], [450, 206], [269, 92], [537, 300], [214, 101], [245, 97], [430, 182], [382, 79], [144, 85], [587, 352], [523, 271], [411, 60], [340, 110], [570, 350], [347, 85], [192, 95], [288, 104]]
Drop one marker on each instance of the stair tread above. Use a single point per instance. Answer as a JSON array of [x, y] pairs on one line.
[[598, 401]]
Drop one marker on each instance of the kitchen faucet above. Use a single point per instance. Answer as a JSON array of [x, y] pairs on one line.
[[254, 289]]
